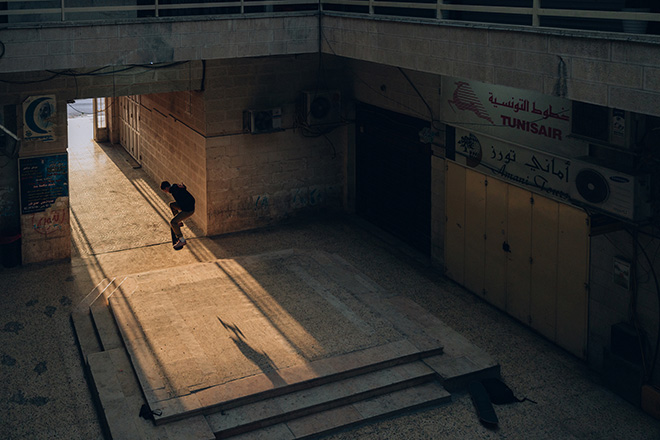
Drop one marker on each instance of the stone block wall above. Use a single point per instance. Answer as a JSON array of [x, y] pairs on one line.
[[242, 180], [108, 81], [57, 46], [171, 147], [258, 179], [46, 236], [619, 72]]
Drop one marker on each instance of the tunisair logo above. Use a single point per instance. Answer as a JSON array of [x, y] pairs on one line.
[[464, 98]]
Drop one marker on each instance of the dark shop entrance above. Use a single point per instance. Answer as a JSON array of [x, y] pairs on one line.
[[393, 175]]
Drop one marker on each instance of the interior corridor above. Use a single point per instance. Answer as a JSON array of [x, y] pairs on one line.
[[114, 205]]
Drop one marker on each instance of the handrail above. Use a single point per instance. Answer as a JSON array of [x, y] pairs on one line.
[[34, 11], [609, 15], [605, 15]]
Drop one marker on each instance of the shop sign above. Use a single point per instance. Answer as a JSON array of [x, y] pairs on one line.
[[534, 170], [520, 116]]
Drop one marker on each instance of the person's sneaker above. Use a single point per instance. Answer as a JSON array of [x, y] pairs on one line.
[[180, 224], [180, 244]]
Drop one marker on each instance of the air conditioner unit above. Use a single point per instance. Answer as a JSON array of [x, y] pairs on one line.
[[619, 194], [262, 121], [321, 107]]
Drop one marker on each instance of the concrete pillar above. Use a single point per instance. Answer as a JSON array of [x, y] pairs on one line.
[[44, 180]]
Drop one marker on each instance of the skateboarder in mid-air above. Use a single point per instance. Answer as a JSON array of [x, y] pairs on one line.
[[182, 207]]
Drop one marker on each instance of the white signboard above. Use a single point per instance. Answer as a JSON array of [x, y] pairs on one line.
[[534, 170], [39, 114], [541, 121]]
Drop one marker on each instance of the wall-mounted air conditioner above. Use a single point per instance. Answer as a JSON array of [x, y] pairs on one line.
[[262, 121], [595, 185], [321, 107]]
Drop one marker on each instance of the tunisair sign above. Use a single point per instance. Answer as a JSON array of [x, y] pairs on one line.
[[519, 116]]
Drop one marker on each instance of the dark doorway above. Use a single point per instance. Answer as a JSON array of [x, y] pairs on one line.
[[393, 175]]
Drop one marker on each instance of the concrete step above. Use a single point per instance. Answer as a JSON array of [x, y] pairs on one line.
[[87, 333], [258, 387], [118, 393], [287, 407], [83, 306], [104, 323], [347, 416], [83, 326]]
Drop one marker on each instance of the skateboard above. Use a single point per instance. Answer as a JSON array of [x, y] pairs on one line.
[[482, 404]]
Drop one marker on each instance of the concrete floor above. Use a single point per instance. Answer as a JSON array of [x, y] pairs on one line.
[[119, 222]]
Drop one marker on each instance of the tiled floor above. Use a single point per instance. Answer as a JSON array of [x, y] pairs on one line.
[[114, 206], [121, 228]]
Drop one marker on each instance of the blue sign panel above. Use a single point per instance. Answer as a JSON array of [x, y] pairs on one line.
[[43, 180]]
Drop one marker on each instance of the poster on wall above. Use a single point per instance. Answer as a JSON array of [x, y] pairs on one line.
[[533, 170], [39, 114], [42, 181], [515, 115]]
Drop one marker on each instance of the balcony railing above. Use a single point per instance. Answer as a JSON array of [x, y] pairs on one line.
[[603, 15]]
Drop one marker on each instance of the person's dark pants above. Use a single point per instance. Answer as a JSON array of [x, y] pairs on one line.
[[179, 216]]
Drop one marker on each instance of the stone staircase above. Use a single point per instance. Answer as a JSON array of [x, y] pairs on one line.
[[337, 404], [370, 384], [112, 378]]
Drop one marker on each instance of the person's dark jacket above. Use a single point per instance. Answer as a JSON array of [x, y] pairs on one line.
[[183, 198]]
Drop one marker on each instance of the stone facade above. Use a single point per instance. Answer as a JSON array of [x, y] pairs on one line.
[[243, 180]]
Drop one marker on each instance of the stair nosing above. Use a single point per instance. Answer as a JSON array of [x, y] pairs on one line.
[[287, 415], [315, 409], [96, 313], [389, 413], [78, 321], [274, 392]]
